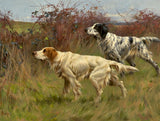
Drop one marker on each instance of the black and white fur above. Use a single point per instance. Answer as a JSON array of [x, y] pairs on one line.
[[120, 48]]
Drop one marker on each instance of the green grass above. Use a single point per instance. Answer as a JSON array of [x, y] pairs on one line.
[[23, 27], [39, 98], [34, 100]]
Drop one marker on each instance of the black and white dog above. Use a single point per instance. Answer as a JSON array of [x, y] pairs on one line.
[[120, 48]]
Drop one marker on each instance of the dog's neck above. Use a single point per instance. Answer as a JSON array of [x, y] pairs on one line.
[[56, 63], [99, 39], [102, 42]]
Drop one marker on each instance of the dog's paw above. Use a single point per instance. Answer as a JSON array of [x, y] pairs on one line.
[[125, 92]]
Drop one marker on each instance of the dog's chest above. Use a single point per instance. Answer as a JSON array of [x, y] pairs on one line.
[[57, 69]]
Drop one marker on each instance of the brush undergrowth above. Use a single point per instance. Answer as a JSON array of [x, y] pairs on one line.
[[29, 90]]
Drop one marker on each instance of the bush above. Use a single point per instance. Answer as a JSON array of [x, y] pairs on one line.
[[61, 27], [65, 24], [145, 22]]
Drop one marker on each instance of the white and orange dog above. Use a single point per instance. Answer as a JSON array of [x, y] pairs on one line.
[[74, 67]]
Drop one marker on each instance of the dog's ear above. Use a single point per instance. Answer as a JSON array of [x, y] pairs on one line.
[[102, 29], [51, 53]]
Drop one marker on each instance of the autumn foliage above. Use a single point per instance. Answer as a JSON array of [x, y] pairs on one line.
[[29, 89], [145, 23], [63, 27]]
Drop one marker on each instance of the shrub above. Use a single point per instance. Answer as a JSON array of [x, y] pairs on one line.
[[59, 26], [65, 24], [145, 22]]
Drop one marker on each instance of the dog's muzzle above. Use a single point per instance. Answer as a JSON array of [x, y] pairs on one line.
[[86, 30], [34, 53]]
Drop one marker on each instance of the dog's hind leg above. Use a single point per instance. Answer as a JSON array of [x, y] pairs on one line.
[[154, 64], [146, 55], [114, 82]]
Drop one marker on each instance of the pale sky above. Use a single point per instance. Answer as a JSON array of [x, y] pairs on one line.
[[22, 9]]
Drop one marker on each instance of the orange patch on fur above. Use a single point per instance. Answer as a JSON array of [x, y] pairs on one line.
[[51, 53]]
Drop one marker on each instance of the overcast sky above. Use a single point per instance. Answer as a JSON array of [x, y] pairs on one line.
[[22, 9]]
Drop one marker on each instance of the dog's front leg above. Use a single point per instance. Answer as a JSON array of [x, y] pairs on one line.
[[76, 88], [66, 88], [73, 83], [114, 56]]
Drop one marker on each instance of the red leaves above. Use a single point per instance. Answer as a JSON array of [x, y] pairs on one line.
[[145, 22], [68, 22]]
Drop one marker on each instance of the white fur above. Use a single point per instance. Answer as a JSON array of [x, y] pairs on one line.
[[120, 48], [40, 55], [74, 67]]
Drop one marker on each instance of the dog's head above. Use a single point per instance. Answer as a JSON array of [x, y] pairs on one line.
[[47, 53], [97, 29]]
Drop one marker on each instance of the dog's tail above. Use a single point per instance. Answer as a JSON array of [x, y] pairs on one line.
[[148, 40], [122, 68]]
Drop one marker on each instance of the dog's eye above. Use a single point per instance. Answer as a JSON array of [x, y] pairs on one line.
[[44, 50]]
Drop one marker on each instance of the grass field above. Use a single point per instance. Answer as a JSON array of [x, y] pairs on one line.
[[39, 97]]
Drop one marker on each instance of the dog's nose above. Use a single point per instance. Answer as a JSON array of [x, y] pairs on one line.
[[34, 53], [85, 29]]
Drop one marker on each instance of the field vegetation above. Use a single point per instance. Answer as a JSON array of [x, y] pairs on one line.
[[29, 90]]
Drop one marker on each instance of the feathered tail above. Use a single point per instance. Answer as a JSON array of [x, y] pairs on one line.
[[122, 68], [148, 40]]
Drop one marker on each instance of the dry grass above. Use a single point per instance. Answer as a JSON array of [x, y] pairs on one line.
[[29, 90], [38, 96]]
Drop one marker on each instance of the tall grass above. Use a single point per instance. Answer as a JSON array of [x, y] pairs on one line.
[[29, 90]]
